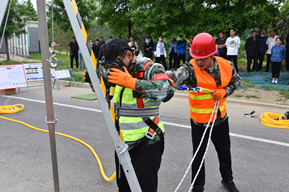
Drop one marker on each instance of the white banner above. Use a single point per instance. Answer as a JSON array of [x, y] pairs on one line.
[[34, 71], [12, 76], [62, 74]]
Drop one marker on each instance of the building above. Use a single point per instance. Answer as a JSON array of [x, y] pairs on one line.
[[25, 43]]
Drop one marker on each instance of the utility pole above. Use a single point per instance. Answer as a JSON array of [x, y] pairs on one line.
[[50, 119]]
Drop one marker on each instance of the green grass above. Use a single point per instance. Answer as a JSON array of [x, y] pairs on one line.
[[238, 95], [252, 96], [268, 88], [78, 77], [248, 83], [284, 93]]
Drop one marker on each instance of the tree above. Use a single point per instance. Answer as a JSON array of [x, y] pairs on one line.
[[87, 10], [96, 31], [31, 13], [117, 15], [281, 27], [175, 17], [15, 23]]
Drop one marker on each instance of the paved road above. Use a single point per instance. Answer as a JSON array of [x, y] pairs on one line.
[[260, 163]]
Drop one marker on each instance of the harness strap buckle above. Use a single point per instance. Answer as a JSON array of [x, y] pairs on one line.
[[150, 133]]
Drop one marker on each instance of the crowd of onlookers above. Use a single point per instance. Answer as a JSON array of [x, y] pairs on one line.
[[228, 45]]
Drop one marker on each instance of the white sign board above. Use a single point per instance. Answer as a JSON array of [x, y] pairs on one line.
[[34, 72], [62, 74], [12, 76]]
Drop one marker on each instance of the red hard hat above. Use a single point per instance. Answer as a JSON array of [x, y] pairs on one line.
[[203, 46]]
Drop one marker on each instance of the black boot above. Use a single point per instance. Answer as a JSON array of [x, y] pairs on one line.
[[230, 186]]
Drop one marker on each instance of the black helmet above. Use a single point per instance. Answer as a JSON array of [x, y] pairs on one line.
[[112, 50]]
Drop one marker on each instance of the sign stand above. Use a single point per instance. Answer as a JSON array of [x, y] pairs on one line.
[[100, 91], [63, 74]]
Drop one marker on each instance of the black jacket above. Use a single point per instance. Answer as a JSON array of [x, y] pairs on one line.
[[95, 49], [148, 53], [251, 47]]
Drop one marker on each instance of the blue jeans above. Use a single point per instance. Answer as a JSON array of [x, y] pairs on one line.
[[81, 59]]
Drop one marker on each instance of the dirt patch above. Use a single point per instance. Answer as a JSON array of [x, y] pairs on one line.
[[258, 95]]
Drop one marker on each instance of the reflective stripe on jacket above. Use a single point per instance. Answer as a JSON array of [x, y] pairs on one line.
[[202, 104], [133, 128]]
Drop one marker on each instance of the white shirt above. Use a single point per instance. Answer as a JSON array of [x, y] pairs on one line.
[[135, 44], [271, 42], [233, 45], [160, 49]]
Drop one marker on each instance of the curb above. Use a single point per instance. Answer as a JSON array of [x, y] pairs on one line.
[[179, 93], [78, 84]]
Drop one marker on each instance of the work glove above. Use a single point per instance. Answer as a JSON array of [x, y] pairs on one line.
[[121, 78], [219, 93]]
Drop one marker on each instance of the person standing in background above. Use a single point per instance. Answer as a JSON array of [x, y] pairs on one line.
[[262, 48], [251, 47], [131, 39], [133, 47], [148, 49], [73, 47], [278, 53], [151, 41], [160, 52], [80, 60], [173, 52], [233, 44], [181, 46], [271, 41], [221, 44], [189, 45], [101, 40]]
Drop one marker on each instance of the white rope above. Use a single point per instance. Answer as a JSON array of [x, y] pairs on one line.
[[5, 24], [215, 109], [208, 143]]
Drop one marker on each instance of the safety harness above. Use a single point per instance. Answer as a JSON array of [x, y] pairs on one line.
[[145, 113]]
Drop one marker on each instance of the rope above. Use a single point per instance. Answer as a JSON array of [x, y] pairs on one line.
[[202, 139], [15, 109], [274, 120], [208, 143]]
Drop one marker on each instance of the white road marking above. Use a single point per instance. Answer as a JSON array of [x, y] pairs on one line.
[[59, 104], [166, 123], [238, 135]]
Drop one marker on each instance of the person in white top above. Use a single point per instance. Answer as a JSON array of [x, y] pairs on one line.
[[233, 44], [160, 52], [131, 39], [271, 41]]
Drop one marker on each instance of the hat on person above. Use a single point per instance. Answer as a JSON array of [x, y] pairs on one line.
[[111, 50]]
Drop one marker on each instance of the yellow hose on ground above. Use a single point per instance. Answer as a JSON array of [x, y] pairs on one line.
[[270, 120], [15, 109]]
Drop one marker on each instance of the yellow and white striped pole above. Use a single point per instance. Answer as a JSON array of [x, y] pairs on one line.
[[100, 91]]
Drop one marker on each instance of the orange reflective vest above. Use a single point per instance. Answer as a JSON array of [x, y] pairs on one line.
[[202, 104]]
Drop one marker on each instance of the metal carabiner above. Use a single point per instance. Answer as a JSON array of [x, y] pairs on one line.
[[53, 58]]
